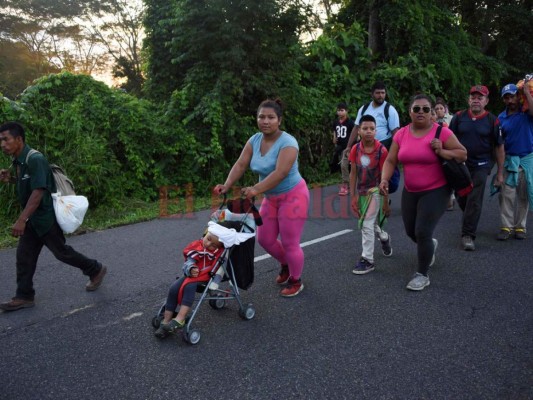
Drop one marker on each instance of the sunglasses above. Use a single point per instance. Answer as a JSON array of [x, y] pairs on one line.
[[416, 109]]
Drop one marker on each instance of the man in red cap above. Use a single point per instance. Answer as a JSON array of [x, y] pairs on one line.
[[479, 131]]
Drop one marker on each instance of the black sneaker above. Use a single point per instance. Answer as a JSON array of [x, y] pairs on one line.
[[363, 267], [386, 247]]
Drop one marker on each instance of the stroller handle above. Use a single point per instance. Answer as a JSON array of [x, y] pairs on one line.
[[243, 200], [242, 206]]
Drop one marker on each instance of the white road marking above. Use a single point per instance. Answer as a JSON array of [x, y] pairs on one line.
[[78, 310], [131, 316], [317, 240]]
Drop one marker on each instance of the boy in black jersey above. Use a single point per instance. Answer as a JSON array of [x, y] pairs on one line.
[[341, 132]]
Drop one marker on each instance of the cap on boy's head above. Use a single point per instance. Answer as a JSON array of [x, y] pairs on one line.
[[342, 106], [509, 89], [482, 90]]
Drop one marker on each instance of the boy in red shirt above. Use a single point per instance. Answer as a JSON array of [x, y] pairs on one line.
[[367, 158]]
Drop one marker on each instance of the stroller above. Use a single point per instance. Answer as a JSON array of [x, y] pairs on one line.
[[235, 264]]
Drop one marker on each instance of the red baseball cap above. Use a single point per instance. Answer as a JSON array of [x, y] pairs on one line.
[[483, 90]]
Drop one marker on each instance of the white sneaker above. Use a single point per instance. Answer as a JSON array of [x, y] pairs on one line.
[[468, 243], [386, 247], [435, 245], [419, 282]]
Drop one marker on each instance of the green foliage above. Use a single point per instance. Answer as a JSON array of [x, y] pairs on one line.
[[217, 72], [104, 138], [125, 68], [337, 61], [426, 48], [501, 30], [161, 71]]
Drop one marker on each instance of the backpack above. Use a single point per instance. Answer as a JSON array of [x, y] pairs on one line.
[[460, 114], [64, 184]]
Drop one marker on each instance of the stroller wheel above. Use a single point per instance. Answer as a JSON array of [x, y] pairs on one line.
[[217, 304], [156, 321], [247, 312], [192, 337]]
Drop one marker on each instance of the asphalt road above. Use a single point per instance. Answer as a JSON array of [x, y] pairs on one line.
[[467, 336]]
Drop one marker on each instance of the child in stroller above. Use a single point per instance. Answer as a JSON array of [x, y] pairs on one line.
[[201, 258]]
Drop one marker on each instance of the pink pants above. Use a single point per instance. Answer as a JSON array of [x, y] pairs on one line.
[[284, 215]]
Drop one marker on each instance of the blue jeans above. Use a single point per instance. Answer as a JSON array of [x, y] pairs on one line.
[[29, 248]]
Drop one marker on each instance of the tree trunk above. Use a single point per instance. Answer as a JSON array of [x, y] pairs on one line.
[[374, 27]]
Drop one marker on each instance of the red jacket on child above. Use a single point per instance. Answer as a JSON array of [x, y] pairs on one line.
[[203, 259]]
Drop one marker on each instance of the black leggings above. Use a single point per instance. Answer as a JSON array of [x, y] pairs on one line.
[[420, 213]]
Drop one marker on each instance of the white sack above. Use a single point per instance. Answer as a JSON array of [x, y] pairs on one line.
[[70, 211]]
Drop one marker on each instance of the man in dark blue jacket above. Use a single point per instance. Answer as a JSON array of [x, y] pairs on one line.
[[478, 130]]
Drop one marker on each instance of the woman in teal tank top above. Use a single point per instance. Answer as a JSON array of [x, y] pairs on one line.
[[273, 155]]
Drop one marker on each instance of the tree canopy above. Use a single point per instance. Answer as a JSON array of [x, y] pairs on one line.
[[64, 35]]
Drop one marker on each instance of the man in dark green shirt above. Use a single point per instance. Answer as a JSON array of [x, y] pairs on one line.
[[36, 225]]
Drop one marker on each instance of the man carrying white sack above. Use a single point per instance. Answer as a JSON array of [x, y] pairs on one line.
[[36, 225]]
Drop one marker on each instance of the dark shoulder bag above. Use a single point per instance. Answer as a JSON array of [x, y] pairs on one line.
[[457, 174]]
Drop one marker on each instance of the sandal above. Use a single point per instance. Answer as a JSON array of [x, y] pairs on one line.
[[173, 326]]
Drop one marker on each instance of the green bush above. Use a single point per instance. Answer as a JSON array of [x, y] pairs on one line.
[[109, 142]]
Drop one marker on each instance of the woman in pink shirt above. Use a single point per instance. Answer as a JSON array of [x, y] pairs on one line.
[[426, 192]]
